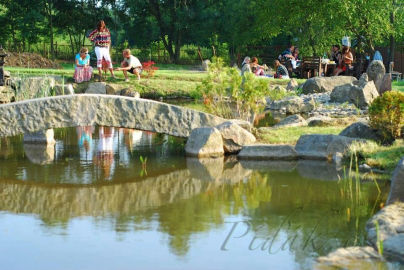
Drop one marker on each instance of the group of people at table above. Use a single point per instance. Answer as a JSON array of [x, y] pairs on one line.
[[341, 59], [101, 37]]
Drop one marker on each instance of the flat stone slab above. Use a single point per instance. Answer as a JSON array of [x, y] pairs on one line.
[[105, 110], [317, 146], [268, 152]]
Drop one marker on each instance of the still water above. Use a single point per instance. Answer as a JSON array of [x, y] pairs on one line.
[[109, 198]]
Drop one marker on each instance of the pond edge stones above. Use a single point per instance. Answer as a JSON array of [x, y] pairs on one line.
[[268, 152], [205, 142]]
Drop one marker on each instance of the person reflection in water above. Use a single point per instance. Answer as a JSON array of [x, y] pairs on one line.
[[105, 154], [85, 137]]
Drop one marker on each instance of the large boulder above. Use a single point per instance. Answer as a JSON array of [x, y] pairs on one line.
[[292, 85], [129, 93], [268, 152], [97, 88], [385, 84], [397, 184], [33, 87], [361, 130], [390, 231], [320, 121], [205, 142], [234, 137], [376, 71], [292, 105], [361, 94], [320, 147], [325, 84], [292, 121]]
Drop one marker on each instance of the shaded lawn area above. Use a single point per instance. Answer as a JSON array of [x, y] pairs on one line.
[[290, 135]]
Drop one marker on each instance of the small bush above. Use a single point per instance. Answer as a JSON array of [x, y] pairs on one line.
[[149, 68], [387, 114]]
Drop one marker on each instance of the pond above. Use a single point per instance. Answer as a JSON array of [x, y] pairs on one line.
[[109, 198]]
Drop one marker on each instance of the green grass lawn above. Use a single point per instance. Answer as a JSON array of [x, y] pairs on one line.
[[399, 86], [290, 135], [379, 156]]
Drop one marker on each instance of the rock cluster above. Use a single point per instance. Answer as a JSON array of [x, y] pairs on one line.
[[360, 93], [325, 84]]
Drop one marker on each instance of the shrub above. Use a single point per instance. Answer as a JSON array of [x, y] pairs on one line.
[[387, 114], [229, 95]]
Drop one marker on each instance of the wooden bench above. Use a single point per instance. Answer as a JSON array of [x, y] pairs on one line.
[[310, 67]]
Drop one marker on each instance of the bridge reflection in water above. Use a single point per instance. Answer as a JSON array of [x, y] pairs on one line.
[[180, 199]]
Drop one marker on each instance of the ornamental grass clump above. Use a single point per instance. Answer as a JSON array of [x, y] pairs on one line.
[[387, 115], [229, 95]]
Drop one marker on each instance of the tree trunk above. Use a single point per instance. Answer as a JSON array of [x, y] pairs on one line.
[[392, 40]]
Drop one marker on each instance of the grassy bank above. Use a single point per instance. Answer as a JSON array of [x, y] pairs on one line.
[[378, 156], [290, 135], [399, 86]]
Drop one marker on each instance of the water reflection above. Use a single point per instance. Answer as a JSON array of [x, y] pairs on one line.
[[284, 215]]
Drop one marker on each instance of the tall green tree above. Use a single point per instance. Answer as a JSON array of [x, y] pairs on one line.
[[174, 22]]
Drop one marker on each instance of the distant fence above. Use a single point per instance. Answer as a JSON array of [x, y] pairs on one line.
[[156, 52]]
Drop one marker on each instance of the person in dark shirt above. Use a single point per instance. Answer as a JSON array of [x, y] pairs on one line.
[[281, 70], [288, 53]]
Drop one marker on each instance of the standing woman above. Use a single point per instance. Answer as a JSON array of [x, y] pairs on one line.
[[101, 37]]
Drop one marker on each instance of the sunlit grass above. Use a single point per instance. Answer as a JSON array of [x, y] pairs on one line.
[[290, 135], [378, 156], [399, 86]]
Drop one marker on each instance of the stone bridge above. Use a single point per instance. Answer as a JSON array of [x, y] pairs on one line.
[[104, 110]]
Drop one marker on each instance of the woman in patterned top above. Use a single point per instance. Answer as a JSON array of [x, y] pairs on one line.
[[101, 37], [281, 70]]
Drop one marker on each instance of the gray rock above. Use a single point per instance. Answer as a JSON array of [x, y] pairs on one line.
[[33, 87], [40, 137], [292, 105], [361, 130], [351, 258], [397, 184], [129, 93], [322, 146], [40, 154], [234, 137], [205, 142], [385, 85], [361, 95], [320, 121], [205, 65], [242, 123], [292, 121], [376, 71], [292, 85], [97, 88], [60, 90], [6, 73], [268, 152], [6, 94], [325, 84], [391, 231], [104, 110]]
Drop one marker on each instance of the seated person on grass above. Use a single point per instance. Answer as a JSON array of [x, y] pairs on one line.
[[130, 64], [281, 70]]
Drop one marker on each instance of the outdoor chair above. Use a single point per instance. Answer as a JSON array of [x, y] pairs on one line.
[[310, 67]]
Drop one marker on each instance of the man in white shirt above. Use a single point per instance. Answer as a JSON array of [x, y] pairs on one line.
[[130, 64]]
